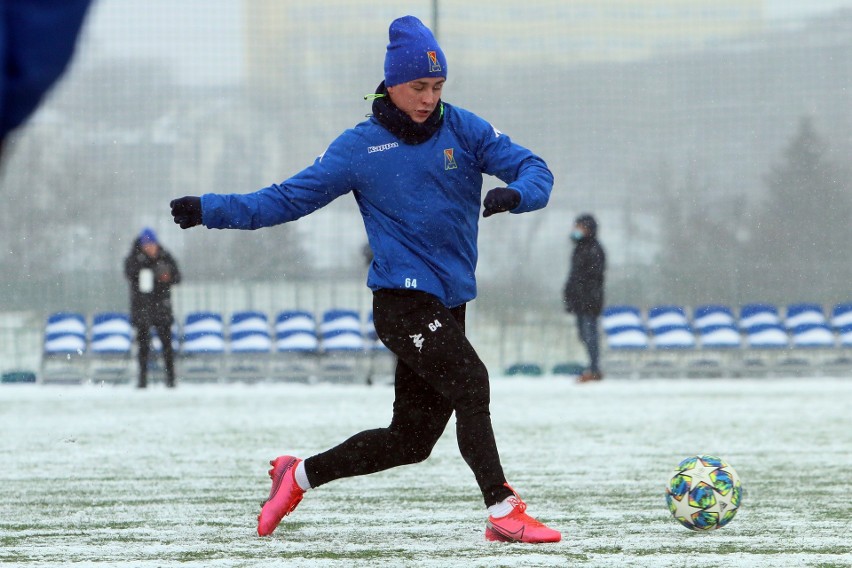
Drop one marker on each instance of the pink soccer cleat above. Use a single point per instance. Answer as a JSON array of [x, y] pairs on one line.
[[283, 497], [517, 526]]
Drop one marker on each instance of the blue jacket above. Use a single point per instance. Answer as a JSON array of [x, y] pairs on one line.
[[420, 203], [37, 41]]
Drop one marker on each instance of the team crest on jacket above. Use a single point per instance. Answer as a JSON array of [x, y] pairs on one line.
[[449, 160], [434, 66]]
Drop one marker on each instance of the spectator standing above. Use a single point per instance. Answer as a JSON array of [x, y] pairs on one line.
[[152, 271], [583, 294]]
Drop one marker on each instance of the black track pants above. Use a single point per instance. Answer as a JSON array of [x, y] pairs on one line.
[[143, 338], [437, 372]]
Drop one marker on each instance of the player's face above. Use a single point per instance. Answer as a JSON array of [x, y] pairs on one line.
[[417, 98]]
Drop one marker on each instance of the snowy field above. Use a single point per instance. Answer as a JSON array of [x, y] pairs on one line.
[[111, 476]]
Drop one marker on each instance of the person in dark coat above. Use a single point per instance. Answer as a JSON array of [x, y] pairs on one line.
[[151, 271], [584, 291]]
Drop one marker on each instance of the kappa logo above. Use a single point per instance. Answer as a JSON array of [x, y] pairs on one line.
[[382, 147], [434, 66], [418, 341], [449, 159]]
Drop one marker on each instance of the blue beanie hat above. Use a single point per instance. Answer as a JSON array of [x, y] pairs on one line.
[[413, 53], [147, 236]]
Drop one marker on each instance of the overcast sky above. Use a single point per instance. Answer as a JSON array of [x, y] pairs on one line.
[[203, 37]]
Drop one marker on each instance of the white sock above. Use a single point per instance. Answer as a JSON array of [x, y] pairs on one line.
[[500, 509], [301, 477]]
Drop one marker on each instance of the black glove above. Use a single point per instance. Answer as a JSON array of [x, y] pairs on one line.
[[186, 211], [500, 199]]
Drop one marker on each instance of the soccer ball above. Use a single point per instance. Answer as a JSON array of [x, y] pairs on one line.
[[704, 493]]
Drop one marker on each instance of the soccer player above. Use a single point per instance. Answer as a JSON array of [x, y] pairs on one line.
[[415, 168]]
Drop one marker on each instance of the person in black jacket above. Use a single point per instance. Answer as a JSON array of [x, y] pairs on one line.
[[151, 271], [584, 291]]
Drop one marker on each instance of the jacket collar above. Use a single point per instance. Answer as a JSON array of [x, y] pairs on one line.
[[400, 124]]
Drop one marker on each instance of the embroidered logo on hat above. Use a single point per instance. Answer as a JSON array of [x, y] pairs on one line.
[[434, 65]]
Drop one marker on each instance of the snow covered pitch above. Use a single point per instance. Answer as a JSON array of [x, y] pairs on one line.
[[110, 476]]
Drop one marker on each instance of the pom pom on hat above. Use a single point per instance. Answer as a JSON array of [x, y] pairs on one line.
[[413, 53]]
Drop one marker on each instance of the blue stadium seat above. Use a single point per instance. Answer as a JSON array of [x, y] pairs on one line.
[[64, 348], [841, 316], [803, 314], [767, 336], [203, 347], [667, 317], [626, 346], [110, 347], [844, 335], [623, 316], [296, 330], [296, 346], [342, 344], [766, 344], [673, 341], [752, 315], [250, 344], [719, 336], [712, 315], [812, 335], [627, 337], [673, 337]]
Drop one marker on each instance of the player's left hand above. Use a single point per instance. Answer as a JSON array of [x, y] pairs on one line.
[[186, 211], [500, 199]]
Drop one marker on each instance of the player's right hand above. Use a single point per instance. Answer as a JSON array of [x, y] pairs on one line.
[[186, 211]]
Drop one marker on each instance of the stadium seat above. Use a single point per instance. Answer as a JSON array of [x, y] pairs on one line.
[[719, 341], [63, 350], [381, 362], [844, 335], [673, 337], [813, 344], [767, 335], [673, 341], [668, 317], [342, 345], [720, 336], [812, 335], [623, 316], [250, 345], [714, 315], [841, 316], [803, 314], [524, 370], [202, 348], [766, 344], [626, 337], [111, 340], [296, 347], [752, 315], [626, 346]]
